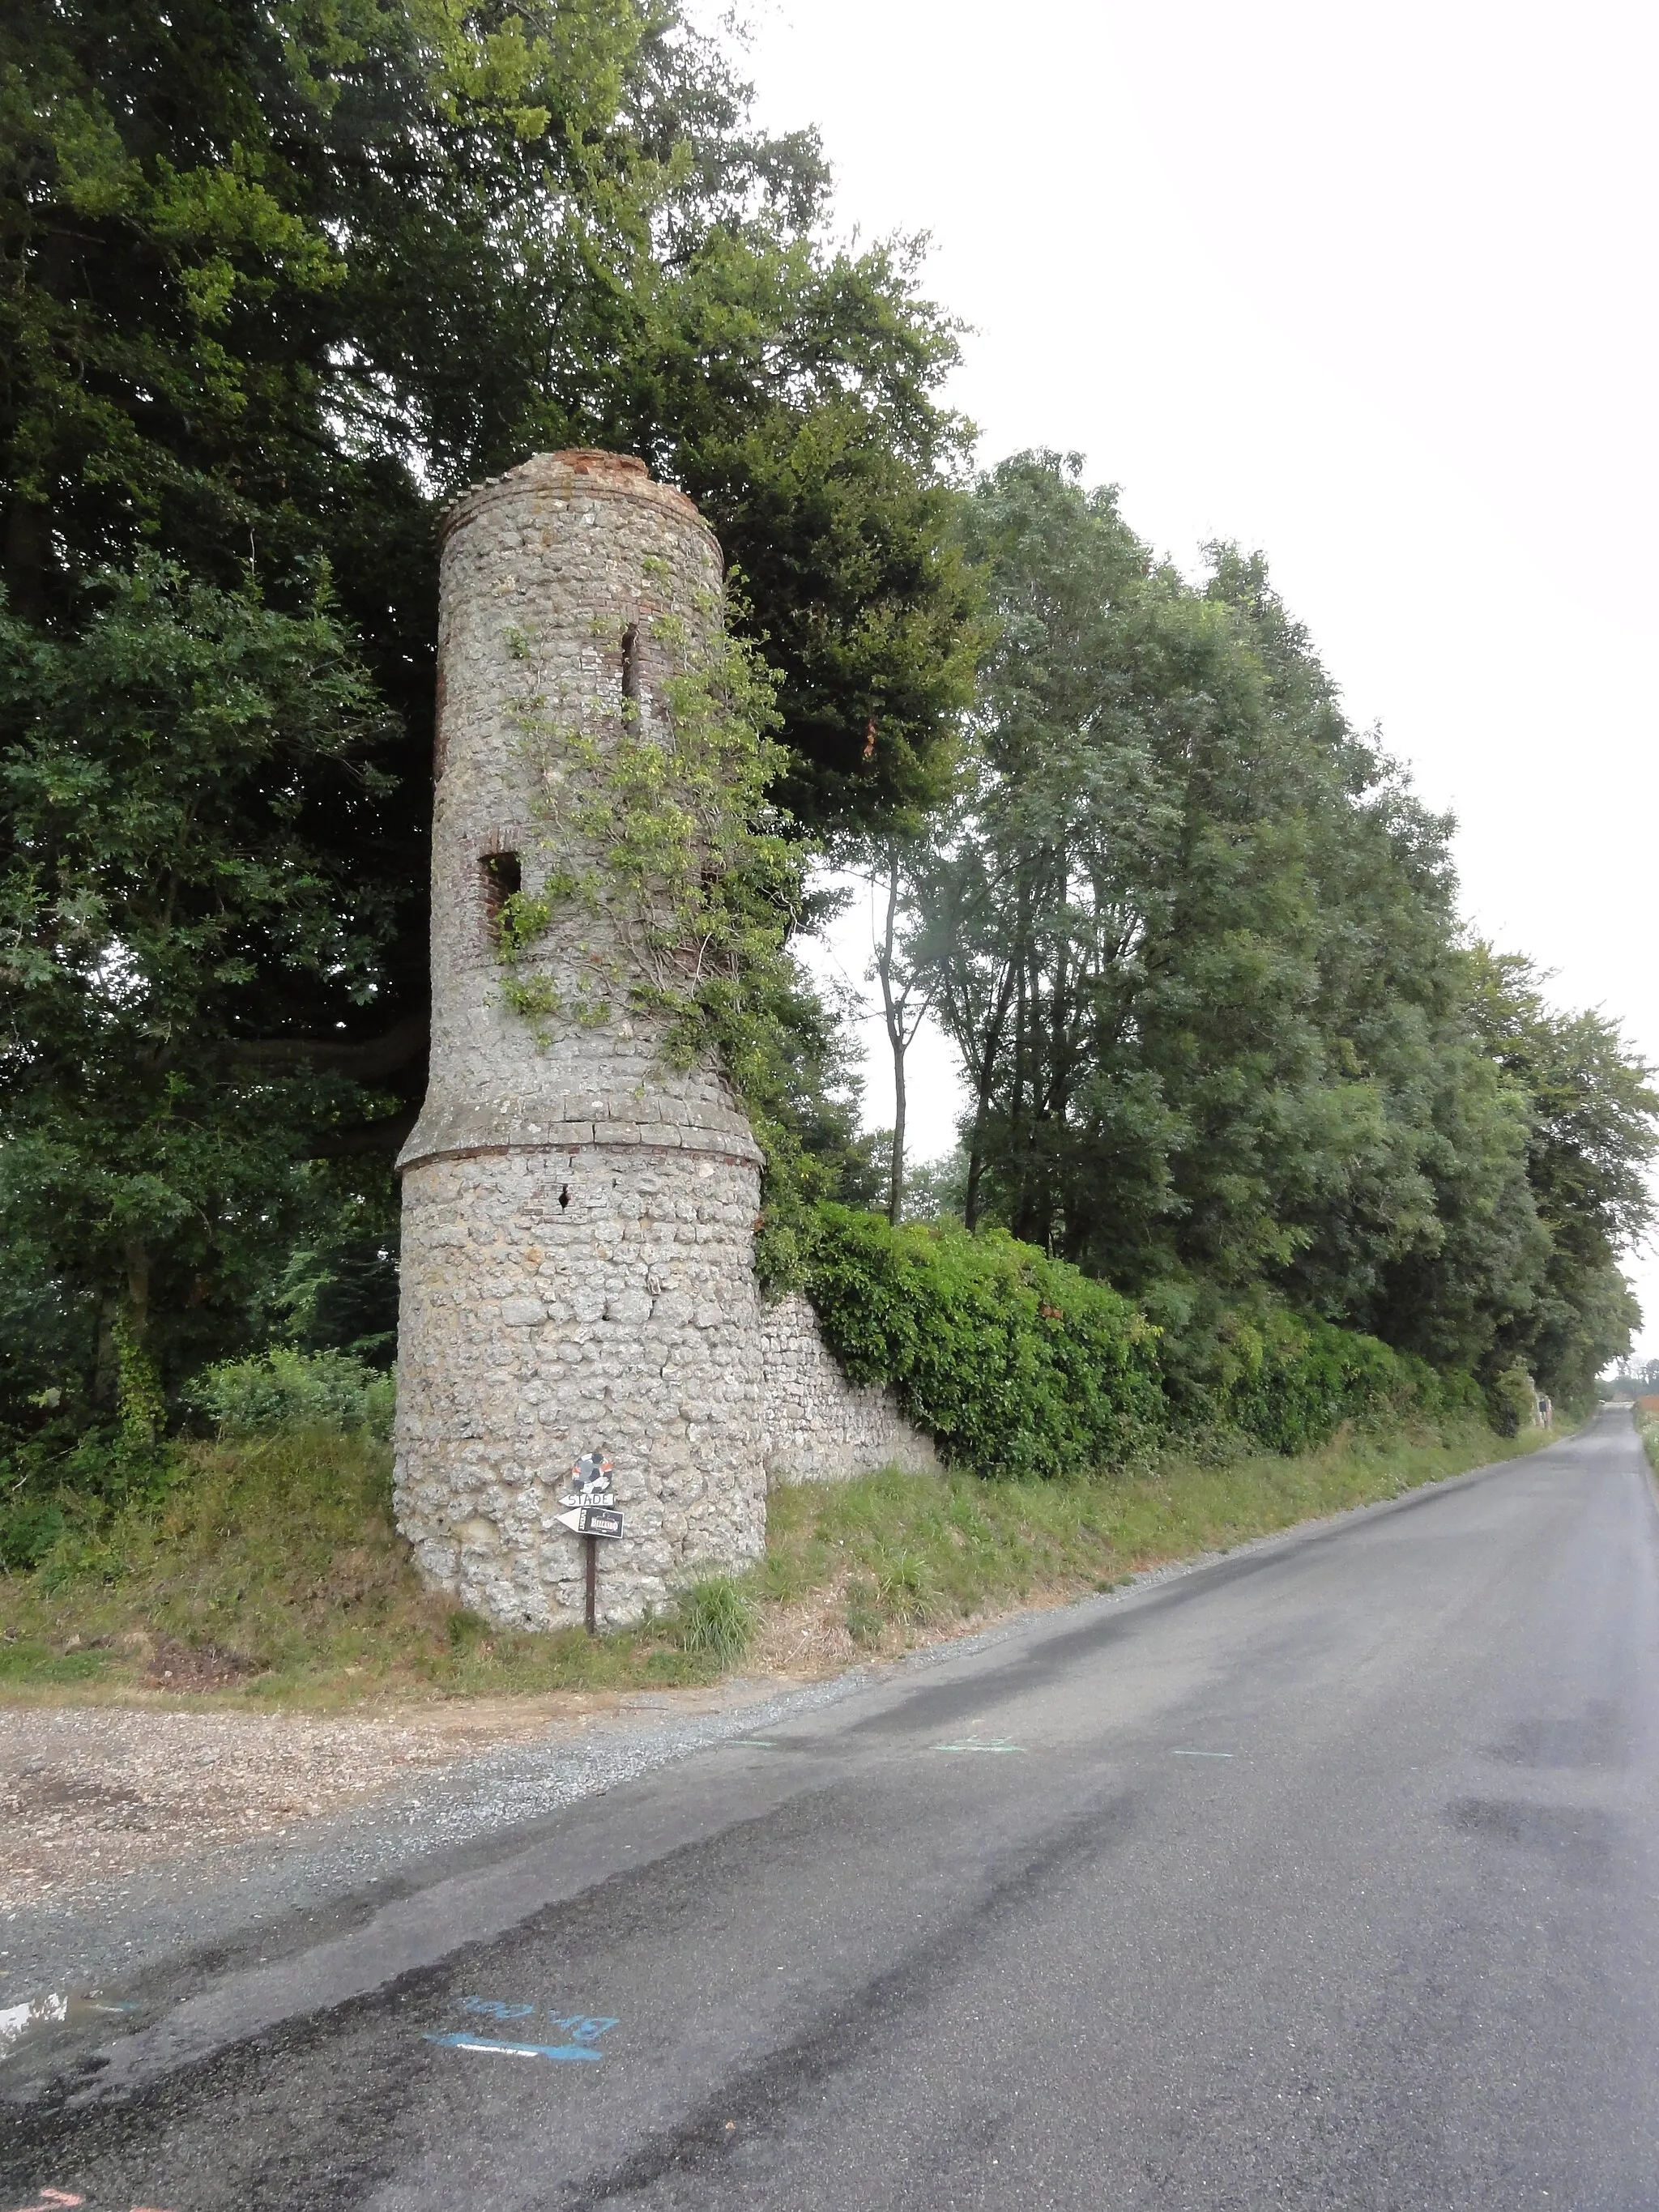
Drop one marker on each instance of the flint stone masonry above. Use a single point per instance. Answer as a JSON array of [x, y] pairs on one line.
[[578, 1241], [819, 1427], [532, 1334]]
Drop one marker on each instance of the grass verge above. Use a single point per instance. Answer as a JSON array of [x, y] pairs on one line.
[[269, 1573]]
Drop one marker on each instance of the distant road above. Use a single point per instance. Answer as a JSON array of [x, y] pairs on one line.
[[1328, 1877]]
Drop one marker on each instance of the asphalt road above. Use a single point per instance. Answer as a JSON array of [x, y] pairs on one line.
[[1327, 1876]]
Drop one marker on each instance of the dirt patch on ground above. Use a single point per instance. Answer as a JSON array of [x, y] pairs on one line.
[[89, 1794], [805, 1641], [179, 1666]]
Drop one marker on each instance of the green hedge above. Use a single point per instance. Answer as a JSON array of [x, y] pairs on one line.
[[1512, 1400], [1017, 1364], [1290, 1383]]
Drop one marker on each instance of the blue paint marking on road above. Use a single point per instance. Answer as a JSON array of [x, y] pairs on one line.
[[584, 2029], [465, 2042], [975, 1746]]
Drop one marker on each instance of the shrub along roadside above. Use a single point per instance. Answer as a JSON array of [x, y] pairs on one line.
[[1647, 1427], [1290, 1383], [269, 1572], [286, 1388], [1021, 1365], [1018, 1364]]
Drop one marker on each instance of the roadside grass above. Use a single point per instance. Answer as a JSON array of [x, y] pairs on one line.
[[269, 1573], [926, 1551], [1647, 1427]]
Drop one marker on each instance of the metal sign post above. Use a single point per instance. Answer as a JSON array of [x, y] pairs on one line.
[[591, 1514]]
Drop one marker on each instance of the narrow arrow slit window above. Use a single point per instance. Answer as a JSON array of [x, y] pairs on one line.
[[631, 663]]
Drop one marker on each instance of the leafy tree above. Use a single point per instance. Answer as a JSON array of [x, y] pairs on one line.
[[272, 276], [1017, 913], [1128, 945], [1592, 1108], [160, 879], [275, 279], [1402, 1193], [1197, 946]]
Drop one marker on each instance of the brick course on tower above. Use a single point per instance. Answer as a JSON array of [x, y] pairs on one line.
[[578, 1262]]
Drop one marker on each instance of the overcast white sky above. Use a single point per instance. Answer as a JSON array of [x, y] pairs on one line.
[[1371, 288]]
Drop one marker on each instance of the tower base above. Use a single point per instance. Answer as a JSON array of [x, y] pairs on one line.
[[560, 1302]]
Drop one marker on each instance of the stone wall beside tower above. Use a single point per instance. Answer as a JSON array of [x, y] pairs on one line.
[[817, 1426], [578, 1263]]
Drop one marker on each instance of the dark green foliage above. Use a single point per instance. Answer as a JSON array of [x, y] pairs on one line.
[[1591, 1138], [1192, 937], [274, 282], [1290, 1383], [341, 1294], [271, 276], [1020, 1365], [1197, 944], [162, 898], [1017, 1364], [29, 1526]]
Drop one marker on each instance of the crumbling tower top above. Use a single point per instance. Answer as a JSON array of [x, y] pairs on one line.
[[578, 470]]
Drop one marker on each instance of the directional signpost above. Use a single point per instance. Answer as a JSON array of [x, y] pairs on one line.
[[594, 1521], [591, 1514]]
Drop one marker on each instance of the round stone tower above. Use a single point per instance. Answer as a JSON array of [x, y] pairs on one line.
[[577, 1269]]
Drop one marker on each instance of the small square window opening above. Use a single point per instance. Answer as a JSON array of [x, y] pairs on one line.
[[502, 878]]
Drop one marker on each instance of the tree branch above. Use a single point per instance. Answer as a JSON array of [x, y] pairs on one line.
[[367, 1062]]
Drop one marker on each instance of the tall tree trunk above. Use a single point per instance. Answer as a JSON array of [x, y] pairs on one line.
[[976, 1168], [138, 1394], [135, 1255], [892, 1008], [106, 1370], [26, 553], [984, 1076], [896, 1182]]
